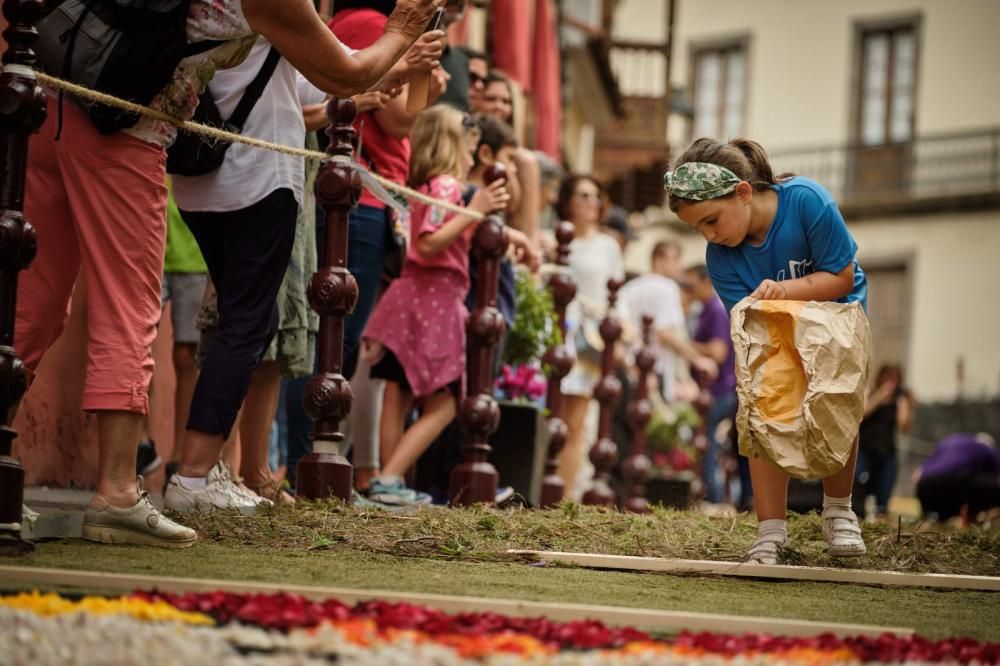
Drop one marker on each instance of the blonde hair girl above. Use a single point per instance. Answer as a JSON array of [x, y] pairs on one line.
[[415, 339]]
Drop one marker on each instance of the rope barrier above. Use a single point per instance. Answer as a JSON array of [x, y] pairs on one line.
[[231, 137], [222, 135]]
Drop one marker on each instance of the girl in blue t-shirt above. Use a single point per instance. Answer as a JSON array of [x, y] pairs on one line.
[[776, 239]]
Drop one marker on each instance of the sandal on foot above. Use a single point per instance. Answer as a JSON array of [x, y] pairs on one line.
[[270, 490]]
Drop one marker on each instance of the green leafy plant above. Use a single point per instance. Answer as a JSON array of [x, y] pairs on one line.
[[669, 437], [535, 326]]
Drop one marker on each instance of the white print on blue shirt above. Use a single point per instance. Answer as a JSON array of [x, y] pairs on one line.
[[808, 234], [797, 269]]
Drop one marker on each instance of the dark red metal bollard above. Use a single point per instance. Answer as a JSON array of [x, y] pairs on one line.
[[22, 112], [474, 480], [333, 293], [636, 467], [604, 453], [559, 361]]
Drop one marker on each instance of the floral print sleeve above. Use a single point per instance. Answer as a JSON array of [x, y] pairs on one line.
[[215, 20]]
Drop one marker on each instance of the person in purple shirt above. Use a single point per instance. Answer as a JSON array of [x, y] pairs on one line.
[[963, 471], [712, 339]]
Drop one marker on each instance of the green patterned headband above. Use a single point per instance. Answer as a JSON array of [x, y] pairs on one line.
[[699, 181]]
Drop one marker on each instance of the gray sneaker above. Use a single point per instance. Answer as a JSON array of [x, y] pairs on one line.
[[219, 493], [140, 524]]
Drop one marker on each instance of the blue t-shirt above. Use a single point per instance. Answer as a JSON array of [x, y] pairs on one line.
[[808, 234]]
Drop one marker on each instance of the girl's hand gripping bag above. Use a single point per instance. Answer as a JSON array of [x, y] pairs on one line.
[[801, 375]]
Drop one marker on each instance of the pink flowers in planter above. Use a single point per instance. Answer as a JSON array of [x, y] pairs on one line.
[[524, 382]]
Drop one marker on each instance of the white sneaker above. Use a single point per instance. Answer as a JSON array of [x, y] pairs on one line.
[[766, 548], [842, 532], [219, 492], [139, 524], [246, 493]]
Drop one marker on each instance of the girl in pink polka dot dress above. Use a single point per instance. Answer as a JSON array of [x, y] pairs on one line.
[[415, 339]]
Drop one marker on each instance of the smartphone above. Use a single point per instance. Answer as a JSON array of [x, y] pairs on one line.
[[436, 20]]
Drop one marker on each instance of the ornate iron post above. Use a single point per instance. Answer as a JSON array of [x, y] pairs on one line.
[[559, 360], [333, 293], [22, 112], [474, 480], [636, 467], [604, 453]]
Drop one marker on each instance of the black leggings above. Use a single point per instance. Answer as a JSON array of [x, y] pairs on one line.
[[247, 253]]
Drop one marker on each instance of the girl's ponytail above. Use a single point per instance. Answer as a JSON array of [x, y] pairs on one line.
[[760, 166], [744, 157]]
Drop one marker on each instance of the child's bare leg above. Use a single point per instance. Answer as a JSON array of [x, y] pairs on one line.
[[842, 483], [574, 413], [840, 525], [396, 402], [439, 410], [770, 489]]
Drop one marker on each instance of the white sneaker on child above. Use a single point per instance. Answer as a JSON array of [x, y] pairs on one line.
[[766, 548], [842, 532], [219, 492], [772, 536]]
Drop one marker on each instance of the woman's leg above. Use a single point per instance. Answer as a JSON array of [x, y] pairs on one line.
[[117, 193], [259, 409], [574, 414], [438, 411], [258, 242]]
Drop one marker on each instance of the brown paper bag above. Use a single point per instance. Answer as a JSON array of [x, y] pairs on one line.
[[801, 376]]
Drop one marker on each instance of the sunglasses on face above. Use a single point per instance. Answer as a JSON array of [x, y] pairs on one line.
[[476, 78]]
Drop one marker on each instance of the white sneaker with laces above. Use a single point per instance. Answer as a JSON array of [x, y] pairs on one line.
[[842, 532], [245, 492], [219, 492], [139, 524]]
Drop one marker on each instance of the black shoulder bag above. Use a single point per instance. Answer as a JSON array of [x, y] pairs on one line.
[[197, 155]]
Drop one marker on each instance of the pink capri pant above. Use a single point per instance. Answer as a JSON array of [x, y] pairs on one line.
[[99, 206]]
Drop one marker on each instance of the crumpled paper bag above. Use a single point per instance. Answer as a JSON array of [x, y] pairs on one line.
[[801, 374]]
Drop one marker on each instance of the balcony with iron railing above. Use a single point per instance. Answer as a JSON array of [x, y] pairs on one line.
[[933, 172]]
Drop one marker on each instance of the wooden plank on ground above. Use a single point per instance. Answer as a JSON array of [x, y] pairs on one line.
[[652, 620], [776, 571]]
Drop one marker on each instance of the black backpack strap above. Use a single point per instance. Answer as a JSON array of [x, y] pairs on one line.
[[254, 90], [194, 48]]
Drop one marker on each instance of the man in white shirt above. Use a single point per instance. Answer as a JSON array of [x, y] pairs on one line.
[[656, 294]]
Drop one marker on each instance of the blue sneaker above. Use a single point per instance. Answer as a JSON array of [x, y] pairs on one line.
[[395, 494]]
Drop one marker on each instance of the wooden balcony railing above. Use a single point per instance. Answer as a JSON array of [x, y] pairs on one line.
[[959, 169]]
